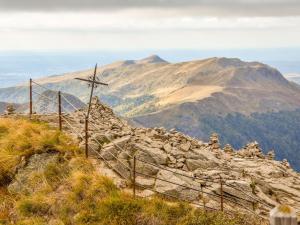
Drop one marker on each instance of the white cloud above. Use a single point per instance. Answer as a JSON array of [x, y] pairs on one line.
[[131, 20], [143, 28]]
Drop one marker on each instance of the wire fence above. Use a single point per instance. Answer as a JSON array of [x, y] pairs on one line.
[[198, 187]]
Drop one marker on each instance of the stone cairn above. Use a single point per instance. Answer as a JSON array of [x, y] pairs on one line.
[[251, 150], [214, 142], [286, 163], [10, 109], [271, 155], [228, 149]]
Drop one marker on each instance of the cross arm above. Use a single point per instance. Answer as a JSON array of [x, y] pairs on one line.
[[87, 80]]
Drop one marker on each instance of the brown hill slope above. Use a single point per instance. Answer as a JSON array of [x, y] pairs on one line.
[[244, 87]]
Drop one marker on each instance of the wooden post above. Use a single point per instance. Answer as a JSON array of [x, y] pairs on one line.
[[283, 215], [222, 194], [30, 98], [134, 175], [59, 111], [203, 200], [86, 137], [253, 206], [92, 91]]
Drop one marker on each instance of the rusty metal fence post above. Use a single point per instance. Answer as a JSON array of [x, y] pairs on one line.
[[59, 112], [86, 137], [30, 98], [222, 194], [134, 176], [203, 199]]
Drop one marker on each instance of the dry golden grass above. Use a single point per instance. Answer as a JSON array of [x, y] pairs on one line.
[[19, 139], [70, 191], [189, 94]]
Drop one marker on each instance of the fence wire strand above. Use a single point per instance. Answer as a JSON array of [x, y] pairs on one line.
[[140, 160]]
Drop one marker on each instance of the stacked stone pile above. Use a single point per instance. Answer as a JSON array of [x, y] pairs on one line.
[[10, 109]]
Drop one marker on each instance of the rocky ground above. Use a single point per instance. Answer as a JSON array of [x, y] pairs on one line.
[[251, 180]]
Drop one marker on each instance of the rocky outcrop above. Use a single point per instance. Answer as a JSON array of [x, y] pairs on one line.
[[37, 164], [251, 179]]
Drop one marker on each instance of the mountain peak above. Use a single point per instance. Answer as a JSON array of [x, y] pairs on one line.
[[152, 59]]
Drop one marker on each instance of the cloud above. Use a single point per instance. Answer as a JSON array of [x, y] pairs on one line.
[[138, 29], [131, 21], [199, 7], [140, 24]]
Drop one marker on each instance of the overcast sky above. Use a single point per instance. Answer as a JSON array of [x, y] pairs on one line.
[[154, 24]]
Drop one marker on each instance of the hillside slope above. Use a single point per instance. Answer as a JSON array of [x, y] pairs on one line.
[[252, 180], [45, 180]]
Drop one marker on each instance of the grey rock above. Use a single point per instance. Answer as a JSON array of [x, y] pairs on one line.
[[145, 182], [167, 147], [185, 146], [193, 164], [122, 168], [109, 153], [153, 155], [176, 188], [120, 142]]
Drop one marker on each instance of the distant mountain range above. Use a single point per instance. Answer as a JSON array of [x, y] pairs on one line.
[[242, 101]]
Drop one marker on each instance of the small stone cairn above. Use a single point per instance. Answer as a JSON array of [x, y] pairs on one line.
[[214, 142], [10, 109], [251, 150], [286, 163], [228, 149], [271, 155]]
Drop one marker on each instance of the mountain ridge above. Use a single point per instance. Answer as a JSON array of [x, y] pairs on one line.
[[187, 95]]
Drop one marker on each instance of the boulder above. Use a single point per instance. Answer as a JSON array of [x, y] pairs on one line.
[[171, 159], [156, 144], [144, 182], [176, 188], [177, 154], [153, 155], [167, 147], [146, 169], [185, 146], [109, 153], [122, 168], [193, 164], [236, 188], [120, 142], [207, 155], [100, 138], [125, 155], [193, 155]]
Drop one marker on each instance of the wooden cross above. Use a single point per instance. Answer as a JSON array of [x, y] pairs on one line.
[[93, 82]]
